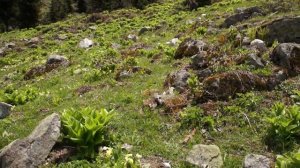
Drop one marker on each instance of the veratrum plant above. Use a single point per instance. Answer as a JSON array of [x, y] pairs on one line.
[[285, 125], [288, 160], [87, 128]]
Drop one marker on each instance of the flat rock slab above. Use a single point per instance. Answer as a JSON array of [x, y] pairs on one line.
[[205, 156], [4, 110], [257, 161], [32, 151]]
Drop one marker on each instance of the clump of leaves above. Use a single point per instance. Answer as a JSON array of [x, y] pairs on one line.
[[97, 74], [18, 97], [285, 125], [296, 97], [193, 117], [288, 160], [248, 101], [201, 30], [115, 158], [87, 128]]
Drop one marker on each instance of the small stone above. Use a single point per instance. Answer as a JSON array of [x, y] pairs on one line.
[[257, 161], [178, 80], [199, 60], [173, 42], [10, 45], [145, 29], [93, 27], [2, 52], [259, 45], [4, 110], [205, 156], [127, 147], [132, 37], [255, 61], [190, 47], [62, 37], [56, 59], [246, 41], [86, 43]]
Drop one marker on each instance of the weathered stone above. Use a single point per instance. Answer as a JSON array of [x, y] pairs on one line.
[[132, 37], [259, 46], [178, 80], [205, 156], [243, 14], [190, 47], [202, 74], [57, 59], [10, 45], [145, 29], [62, 37], [257, 161], [287, 55], [199, 60], [2, 52], [255, 61], [32, 151], [246, 41], [173, 42], [4, 110], [228, 84], [33, 42], [86, 43], [284, 30]]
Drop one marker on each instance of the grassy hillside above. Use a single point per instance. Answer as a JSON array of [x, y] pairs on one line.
[[239, 124]]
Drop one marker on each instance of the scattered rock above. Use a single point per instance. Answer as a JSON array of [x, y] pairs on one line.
[[155, 162], [190, 47], [199, 60], [53, 62], [287, 55], [205, 156], [173, 42], [83, 90], [246, 41], [86, 43], [259, 46], [145, 29], [33, 150], [32, 43], [255, 161], [57, 59], [284, 30], [62, 37], [241, 15], [128, 72], [10, 45], [255, 61], [4, 110], [127, 147], [202, 74], [132, 37], [178, 80], [227, 84], [2, 52]]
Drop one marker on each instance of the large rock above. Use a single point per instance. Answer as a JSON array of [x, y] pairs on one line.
[[284, 30], [4, 110], [241, 15], [57, 59], [178, 80], [287, 55], [257, 161], [259, 46], [228, 84], [86, 43], [205, 156], [255, 60], [199, 61], [190, 47], [32, 151]]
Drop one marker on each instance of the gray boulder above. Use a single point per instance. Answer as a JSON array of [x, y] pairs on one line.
[[190, 47], [284, 30], [178, 80], [205, 156], [255, 61], [287, 55], [2, 52], [86, 43], [32, 151], [199, 60], [4, 110], [246, 41], [145, 29], [241, 15], [257, 161], [259, 46]]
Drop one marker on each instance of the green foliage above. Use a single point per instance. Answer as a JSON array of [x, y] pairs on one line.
[[194, 84], [201, 30], [194, 117], [248, 101], [18, 97], [285, 124], [115, 158], [296, 97], [87, 128], [98, 74], [289, 160]]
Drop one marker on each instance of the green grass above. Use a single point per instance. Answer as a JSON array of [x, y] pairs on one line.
[[149, 131]]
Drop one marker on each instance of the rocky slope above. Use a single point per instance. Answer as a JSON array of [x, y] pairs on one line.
[[175, 78]]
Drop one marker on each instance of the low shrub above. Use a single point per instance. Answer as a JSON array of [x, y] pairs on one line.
[[288, 160]]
